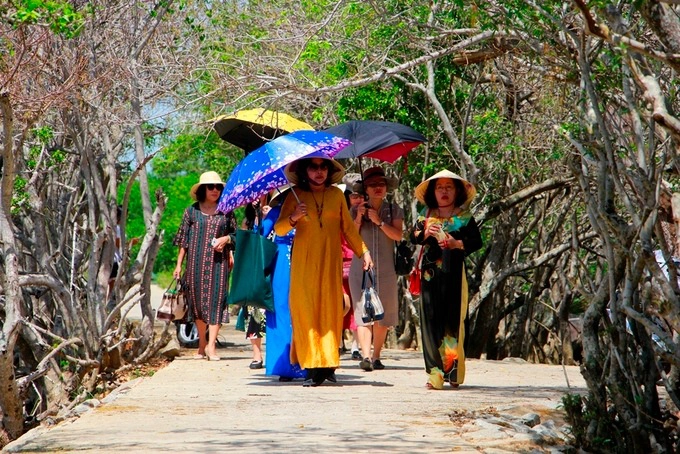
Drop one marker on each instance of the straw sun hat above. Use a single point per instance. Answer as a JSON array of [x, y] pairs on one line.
[[470, 190], [289, 170], [275, 194], [206, 178]]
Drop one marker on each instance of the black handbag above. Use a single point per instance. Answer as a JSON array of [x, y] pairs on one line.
[[403, 255], [403, 258]]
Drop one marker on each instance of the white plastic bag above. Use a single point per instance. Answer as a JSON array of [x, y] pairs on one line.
[[369, 304]]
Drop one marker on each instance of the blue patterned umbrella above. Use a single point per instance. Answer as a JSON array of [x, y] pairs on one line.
[[262, 169]]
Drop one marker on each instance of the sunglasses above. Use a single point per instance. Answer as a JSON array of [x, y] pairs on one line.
[[322, 166], [212, 187]]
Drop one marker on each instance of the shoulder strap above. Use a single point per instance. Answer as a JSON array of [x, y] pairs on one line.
[[420, 254]]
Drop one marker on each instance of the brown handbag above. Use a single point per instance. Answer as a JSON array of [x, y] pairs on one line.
[[173, 305]]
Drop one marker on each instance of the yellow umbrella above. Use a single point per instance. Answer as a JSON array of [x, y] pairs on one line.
[[250, 129]]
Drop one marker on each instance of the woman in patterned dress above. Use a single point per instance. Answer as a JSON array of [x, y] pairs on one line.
[[205, 238], [316, 263], [448, 233]]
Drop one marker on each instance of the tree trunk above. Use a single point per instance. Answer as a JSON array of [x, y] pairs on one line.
[[10, 399]]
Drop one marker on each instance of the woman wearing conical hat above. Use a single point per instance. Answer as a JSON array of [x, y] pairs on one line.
[[448, 233]]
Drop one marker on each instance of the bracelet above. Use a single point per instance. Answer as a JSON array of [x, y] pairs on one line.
[[290, 221]]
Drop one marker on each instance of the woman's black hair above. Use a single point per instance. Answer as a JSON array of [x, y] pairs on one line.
[[347, 193], [301, 172], [459, 198], [201, 193], [251, 214]]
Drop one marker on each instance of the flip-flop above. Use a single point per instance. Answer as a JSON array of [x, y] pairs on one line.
[[198, 356]]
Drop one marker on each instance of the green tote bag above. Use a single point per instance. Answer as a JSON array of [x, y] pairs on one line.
[[251, 277]]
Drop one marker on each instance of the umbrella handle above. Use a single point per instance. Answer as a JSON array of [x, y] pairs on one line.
[[306, 218]]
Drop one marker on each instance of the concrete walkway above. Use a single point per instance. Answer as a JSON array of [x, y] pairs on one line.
[[222, 406]]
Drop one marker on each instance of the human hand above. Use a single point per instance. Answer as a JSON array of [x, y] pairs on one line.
[[178, 272], [361, 211], [368, 261], [373, 216], [219, 243], [265, 210], [300, 212], [450, 242], [433, 229]]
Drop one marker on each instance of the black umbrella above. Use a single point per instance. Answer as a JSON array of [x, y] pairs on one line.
[[250, 129], [384, 140]]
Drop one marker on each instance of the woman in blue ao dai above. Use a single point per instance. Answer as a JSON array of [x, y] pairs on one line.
[[279, 330]]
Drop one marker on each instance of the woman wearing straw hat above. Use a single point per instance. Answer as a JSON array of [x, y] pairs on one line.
[[448, 233], [205, 238], [316, 300]]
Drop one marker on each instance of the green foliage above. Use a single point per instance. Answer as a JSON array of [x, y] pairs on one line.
[[578, 305], [176, 168], [580, 413], [61, 17], [190, 152], [49, 158], [139, 372], [489, 132], [177, 191], [37, 154]]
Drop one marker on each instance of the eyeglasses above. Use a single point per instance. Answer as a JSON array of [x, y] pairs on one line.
[[212, 187], [355, 195], [322, 166], [377, 184]]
